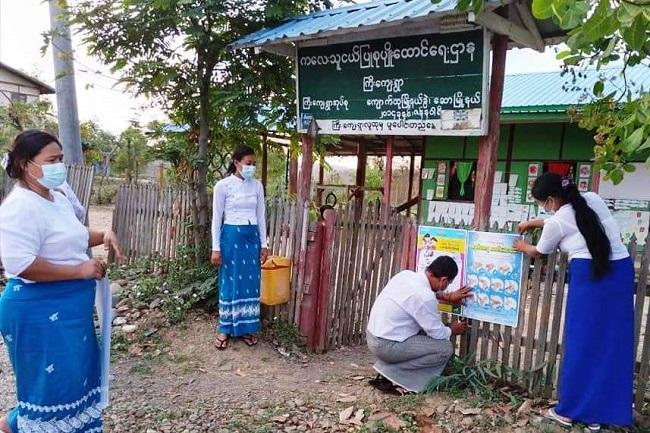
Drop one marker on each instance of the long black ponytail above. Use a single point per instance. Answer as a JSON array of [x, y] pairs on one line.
[[588, 222], [240, 153]]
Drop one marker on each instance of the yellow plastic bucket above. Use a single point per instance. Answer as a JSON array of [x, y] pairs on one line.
[[276, 281]]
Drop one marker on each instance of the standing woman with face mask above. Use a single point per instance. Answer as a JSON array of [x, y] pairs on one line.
[[239, 248], [596, 382], [46, 309]]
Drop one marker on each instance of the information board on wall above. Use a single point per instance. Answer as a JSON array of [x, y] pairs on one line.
[[432, 84], [487, 263]]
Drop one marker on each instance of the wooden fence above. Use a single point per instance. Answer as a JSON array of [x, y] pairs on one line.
[[366, 248], [151, 221], [366, 252]]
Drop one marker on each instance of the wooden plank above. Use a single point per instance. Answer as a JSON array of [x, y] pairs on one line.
[[333, 287], [546, 296], [344, 222], [357, 254], [644, 370], [640, 298], [532, 315], [525, 290], [349, 266], [556, 329], [368, 289], [360, 296]]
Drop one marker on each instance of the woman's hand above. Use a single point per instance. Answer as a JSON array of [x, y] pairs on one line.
[[215, 258], [526, 248], [523, 227], [92, 269], [111, 243], [264, 255]]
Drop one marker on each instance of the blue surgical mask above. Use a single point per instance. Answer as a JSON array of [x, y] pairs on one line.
[[248, 171], [54, 175]]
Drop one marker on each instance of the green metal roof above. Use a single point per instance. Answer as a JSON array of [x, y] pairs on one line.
[[541, 94]]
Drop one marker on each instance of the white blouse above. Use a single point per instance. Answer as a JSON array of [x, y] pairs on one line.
[[561, 230], [32, 226], [406, 306], [238, 202]]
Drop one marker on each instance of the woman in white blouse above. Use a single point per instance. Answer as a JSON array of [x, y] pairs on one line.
[[239, 248], [46, 309], [597, 370]]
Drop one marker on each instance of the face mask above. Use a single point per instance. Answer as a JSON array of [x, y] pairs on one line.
[[53, 175], [248, 171]]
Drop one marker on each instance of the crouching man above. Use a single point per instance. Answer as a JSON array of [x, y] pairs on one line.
[[405, 331]]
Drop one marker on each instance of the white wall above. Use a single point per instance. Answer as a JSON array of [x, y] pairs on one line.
[[635, 185]]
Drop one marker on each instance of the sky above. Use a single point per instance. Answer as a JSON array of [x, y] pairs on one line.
[[22, 23]]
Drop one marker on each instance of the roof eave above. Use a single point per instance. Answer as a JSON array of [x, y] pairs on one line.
[[43, 88]]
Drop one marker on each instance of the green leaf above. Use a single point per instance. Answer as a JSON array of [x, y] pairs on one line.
[[598, 88], [632, 143], [602, 22], [542, 9], [645, 145], [616, 176], [635, 35], [571, 13], [562, 54], [629, 168]]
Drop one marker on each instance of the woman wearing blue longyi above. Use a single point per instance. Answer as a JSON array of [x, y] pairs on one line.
[[597, 370], [46, 309]]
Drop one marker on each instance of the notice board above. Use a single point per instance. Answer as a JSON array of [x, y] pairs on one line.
[[432, 84]]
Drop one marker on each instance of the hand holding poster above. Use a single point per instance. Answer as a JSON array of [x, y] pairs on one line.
[[487, 263]]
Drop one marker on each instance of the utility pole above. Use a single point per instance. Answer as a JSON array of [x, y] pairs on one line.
[[66, 93]]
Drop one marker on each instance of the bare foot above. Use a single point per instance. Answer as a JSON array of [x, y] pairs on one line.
[[4, 425]]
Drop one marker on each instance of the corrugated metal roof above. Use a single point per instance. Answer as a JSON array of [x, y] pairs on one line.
[[349, 17], [554, 91]]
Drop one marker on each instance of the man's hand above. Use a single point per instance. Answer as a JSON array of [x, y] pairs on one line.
[[459, 296], [458, 328]]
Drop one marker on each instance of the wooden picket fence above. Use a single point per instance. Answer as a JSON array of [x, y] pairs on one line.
[[366, 252], [151, 221], [368, 246]]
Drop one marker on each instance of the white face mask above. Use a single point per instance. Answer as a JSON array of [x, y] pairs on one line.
[[54, 175], [248, 171]]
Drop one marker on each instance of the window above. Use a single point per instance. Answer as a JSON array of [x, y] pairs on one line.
[[18, 97], [462, 179]]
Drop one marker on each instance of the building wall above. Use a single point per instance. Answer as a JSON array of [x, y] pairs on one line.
[[13, 87]]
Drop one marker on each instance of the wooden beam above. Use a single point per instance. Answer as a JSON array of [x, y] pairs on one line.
[[285, 49], [293, 174], [411, 175], [321, 180], [487, 152], [502, 26], [307, 165], [388, 171], [529, 21], [265, 161]]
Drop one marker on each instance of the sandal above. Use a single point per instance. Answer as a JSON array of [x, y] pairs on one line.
[[380, 383], [553, 416], [594, 427], [221, 342], [250, 340]]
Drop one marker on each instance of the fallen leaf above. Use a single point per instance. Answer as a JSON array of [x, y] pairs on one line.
[[240, 373], [358, 417], [280, 419], [429, 412], [358, 377], [393, 422], [426, 425], [345, 414], [470, 411], [378, 416], [346, 399]]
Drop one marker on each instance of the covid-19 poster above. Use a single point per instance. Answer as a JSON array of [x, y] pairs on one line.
[[487, 263]]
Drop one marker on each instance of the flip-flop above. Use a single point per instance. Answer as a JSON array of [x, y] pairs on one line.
[[221, 343], [594, 427], [553, 416], [250, 340]]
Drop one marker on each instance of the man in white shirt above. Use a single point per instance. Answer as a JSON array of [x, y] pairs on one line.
[[405, 330]]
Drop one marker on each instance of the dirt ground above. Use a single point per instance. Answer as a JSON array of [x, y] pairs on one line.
[[100, 218]]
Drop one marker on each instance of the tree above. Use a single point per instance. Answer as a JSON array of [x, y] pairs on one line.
[[133, 153], [96, 142], [18, 116], [603, 32], [176, 52]]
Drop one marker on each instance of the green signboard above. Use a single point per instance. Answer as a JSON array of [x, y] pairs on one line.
[[414, 85]]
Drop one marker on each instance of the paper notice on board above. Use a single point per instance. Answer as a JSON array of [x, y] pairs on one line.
[[494, 270]]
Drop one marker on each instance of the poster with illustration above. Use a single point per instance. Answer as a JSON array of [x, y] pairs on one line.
[[434, 242], [494, 273]]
